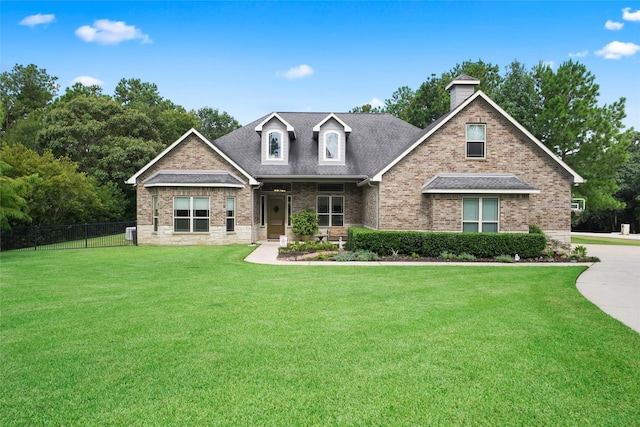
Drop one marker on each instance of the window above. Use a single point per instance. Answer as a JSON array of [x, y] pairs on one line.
[[231, 214], [289, 207], [330, 211], [263, 208], [331, 146], [331, 188], [275, 145], [154, 200], [191, 214], [476, 141], [480, 214]]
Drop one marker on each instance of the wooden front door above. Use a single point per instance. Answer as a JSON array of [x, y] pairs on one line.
[[276, 215]]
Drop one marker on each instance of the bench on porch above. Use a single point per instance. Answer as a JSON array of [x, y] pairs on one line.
[[333, 233], [337, 233]]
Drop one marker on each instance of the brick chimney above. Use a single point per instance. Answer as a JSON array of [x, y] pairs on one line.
[[461, 88]]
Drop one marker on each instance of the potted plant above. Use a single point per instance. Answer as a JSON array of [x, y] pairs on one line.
[[305, 224]]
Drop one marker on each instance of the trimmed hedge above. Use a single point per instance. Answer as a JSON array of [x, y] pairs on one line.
[[432, 244]]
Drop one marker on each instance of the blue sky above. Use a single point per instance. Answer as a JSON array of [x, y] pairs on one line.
[[252, 58]]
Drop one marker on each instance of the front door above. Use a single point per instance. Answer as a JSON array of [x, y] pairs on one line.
[[276, 212]]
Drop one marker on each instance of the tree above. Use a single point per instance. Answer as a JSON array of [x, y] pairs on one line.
[[108, 142], [517, 94], [56, 193], [13, 205], [214, 124], [25, 90], [431, 100], [367, 108], [170, 120], [135, 92], [399, 103], [588, 137]]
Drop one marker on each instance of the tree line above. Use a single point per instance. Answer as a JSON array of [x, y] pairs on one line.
[[64, 159], [561, 109]]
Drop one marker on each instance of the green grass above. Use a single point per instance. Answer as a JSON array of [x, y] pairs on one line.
[[195, 336], [595, 240]]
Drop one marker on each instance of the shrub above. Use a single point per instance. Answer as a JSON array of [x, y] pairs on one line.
[[433, 244], [534, 229], [308, 247], [360, 255], [447, 255], [305, 223], [465, 257], [504, 258], [580, 251]]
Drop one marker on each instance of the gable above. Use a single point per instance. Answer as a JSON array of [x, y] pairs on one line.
[[192, 151], [498, 114]]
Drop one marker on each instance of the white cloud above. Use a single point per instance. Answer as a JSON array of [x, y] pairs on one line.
[[298, 72], [33, 20], [376, 103], [613, 26], [627, 15], [616, 50], [579, 54], [105, 31], [87, 81]]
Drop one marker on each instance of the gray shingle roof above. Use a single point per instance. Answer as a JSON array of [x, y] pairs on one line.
[[477, 182], [375, 140], [196, 178]]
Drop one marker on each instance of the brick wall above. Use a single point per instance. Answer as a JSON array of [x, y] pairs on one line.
[[403, 206], [193, 154]]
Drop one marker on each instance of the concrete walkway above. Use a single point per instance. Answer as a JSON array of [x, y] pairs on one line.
[[612, 284]]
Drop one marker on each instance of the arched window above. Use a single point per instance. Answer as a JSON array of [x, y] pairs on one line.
[[331, 146], [275, 145]]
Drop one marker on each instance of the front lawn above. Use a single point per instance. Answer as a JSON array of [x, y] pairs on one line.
[[195, 336], [598, 240]]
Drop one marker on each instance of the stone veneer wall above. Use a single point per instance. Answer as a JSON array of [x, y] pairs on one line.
[[193, 154], [403, 206]]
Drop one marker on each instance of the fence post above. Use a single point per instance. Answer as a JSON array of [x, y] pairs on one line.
[[35, 239], [86, 235], [135, 233]]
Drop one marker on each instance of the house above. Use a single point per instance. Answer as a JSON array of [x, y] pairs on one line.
[[475, 169]]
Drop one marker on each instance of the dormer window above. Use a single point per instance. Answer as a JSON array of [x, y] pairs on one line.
[[275, 145], [276, 136], [332, 135], [331, 146]]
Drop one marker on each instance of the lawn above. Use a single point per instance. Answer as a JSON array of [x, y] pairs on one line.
[[597, 240], [195, 336]]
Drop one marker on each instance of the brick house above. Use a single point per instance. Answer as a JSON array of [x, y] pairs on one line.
[[474, 169]]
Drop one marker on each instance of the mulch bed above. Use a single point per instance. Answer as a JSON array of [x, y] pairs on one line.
[[313, 256]]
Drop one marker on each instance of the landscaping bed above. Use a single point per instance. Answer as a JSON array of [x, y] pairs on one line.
[[317, 251]]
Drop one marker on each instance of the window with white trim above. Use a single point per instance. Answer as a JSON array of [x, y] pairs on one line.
[[190, 214], [476, 140], [331, 146], [274, 148], [330, 211], [231, 214], [155, 213], [480, 214]]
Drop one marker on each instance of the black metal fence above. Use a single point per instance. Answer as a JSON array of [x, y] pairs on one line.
[[70, 236]]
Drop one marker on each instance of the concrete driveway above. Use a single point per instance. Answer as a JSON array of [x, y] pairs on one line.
[[614, 283]]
